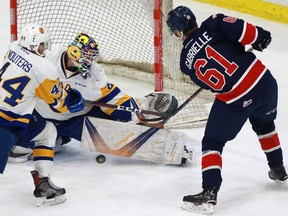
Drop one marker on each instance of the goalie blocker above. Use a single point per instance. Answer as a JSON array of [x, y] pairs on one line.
[[135, 141]]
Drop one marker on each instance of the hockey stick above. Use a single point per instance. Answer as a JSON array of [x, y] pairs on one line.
[[161, 123], [127, 109]]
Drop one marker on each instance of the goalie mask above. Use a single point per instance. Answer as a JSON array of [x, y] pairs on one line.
[[83, 51]]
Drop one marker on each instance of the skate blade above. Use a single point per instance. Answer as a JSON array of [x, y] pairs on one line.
[[206, 209], [43, 201]]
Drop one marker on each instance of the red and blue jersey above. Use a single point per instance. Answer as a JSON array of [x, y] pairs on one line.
[[214, 57]]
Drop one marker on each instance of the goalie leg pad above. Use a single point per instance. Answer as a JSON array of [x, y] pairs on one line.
[[133, 141]]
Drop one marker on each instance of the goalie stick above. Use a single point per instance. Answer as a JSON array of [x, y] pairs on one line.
[[162, 116], [128, 109]]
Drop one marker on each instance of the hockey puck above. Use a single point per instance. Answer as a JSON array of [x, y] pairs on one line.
[[100, 159]]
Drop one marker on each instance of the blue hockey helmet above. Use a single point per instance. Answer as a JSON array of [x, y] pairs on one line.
[[181, 19]]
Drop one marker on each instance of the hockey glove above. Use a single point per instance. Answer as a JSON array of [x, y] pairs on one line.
[[263, 43], [75, 101]]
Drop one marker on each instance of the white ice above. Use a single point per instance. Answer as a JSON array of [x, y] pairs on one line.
[[123, 187]]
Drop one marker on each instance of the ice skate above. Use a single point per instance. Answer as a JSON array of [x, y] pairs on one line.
[[19, 154], [201, 203], [279, 175], [46, 192]]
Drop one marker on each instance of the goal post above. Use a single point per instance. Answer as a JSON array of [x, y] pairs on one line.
[[13, 20], [134, 42], [158, 69]]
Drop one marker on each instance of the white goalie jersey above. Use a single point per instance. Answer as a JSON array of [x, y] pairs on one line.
[[91, 88]]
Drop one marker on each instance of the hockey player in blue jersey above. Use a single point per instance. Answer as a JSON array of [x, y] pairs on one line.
[[25, 78], [214, 57]]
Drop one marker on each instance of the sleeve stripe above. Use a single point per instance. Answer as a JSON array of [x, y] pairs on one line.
[[243, 32], [249, 34]]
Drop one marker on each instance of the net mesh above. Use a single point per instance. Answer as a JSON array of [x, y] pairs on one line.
[[125, 33]]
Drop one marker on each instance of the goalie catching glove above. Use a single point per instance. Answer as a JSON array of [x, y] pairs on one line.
[[159, 102], [163, 102]]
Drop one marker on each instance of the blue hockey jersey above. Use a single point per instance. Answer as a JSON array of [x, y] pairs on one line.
[[215, 59]]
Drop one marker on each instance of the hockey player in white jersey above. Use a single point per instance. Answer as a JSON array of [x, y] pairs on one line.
[[26, 77], [78, 68]]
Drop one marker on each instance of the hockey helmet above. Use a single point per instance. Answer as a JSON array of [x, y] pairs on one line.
[[32, 36], [83, 49], [181, 19]]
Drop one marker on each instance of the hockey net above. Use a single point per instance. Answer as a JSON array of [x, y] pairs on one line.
[[126, 32]]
